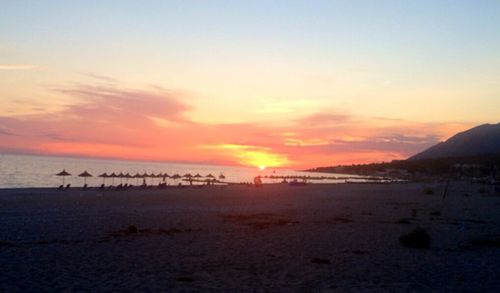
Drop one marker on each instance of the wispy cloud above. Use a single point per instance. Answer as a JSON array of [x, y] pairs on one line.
[[6, 132], [113, 120], [325, 118], [99, 77], [17, 66]]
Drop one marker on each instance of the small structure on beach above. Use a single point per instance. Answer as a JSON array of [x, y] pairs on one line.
[[63, 174], [104, 176], [85, 174]]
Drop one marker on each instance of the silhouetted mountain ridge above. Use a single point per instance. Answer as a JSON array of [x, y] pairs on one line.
[[473, 153], [478, 141]]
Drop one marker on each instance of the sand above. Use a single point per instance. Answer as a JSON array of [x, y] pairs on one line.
[[278, 238]]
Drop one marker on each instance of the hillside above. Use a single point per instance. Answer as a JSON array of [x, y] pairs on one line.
[[478, 141], [472, 153]]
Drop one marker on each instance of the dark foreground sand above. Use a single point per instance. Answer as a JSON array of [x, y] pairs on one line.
[[278, 238]]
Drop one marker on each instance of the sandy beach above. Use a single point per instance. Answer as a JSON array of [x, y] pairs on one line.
[[278, 238]]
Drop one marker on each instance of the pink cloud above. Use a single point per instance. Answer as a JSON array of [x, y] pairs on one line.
[[153, 124]]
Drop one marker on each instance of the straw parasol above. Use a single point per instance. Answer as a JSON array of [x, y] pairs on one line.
[[175, 177], [189, 178], [221, 176], [85, 174], [197, 175], [121, 176], [63, 174], [103, 176], [159, 176], [112, 176], [137, 176], [127, 177], [210, 176]]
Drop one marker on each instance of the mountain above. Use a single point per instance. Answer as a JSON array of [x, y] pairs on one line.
[[478, 141]]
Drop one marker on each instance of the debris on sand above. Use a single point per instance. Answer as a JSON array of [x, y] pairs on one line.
[[321, 261], [418, 238], [487, 241]]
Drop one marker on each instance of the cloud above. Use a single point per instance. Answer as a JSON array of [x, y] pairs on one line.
[[324, 119], [17, 66], [6, 132], [107, 103], [102, 115], [100, 77], [115, 121]]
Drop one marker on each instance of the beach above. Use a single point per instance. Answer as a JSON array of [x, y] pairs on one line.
[[276, 238]]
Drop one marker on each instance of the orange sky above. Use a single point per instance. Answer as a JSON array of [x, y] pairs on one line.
[[111, 121]]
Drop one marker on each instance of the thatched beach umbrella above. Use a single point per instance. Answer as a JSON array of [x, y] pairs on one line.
[[137, 176], [127, 177], [175, 177], [103, 176], [189, 178], [85, 174], [159, 176], [144, 176], [63, 174], [197, 175], [152, 176], [112, 176], [121, 176], [210, 178], [221, 176]]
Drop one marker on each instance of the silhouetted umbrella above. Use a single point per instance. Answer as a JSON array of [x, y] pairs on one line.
[[103, 176], [159, 176], [210, 176], [189, 178], [175, 177], [127, 177], [137, 176], [121, 176], [113, 176], [197, 175], [63, 174], [85, 174], [221, 176]]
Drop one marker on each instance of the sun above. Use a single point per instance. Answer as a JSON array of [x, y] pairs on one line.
[[262, 167]]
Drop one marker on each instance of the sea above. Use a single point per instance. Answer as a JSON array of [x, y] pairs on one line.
[[23, 171]]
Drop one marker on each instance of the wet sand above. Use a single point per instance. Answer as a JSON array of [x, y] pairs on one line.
[[278, 238]]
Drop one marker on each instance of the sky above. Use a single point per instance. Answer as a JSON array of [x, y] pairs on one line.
[[292, 84]]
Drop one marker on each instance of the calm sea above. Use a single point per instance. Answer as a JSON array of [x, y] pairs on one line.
[[39, 171]]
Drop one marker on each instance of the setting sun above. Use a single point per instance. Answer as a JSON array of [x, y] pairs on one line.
[[262, 168]]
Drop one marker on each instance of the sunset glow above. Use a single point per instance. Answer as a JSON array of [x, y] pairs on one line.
[[245, 85]]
